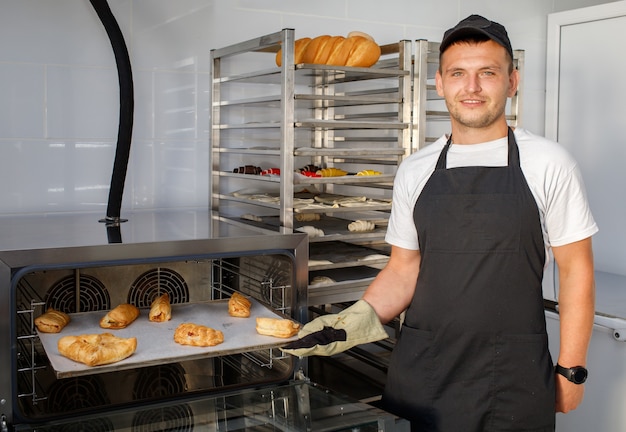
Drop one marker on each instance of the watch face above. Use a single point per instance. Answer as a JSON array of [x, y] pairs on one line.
[[579, 375]]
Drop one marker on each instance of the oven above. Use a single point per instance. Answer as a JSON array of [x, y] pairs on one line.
[[77, 265]]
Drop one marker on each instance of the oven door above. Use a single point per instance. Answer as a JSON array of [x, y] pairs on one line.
[[297, 406]]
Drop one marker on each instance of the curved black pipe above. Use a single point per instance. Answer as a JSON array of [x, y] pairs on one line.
[[125, 129]]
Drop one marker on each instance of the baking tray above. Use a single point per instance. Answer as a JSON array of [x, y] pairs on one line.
[[155, 341]]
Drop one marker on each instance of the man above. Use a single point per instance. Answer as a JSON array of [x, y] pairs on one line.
[[473, 217]]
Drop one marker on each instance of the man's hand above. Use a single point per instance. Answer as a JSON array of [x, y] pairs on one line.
[[568, 394]]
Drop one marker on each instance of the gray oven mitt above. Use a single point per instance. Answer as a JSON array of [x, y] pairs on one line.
[[334, 333]]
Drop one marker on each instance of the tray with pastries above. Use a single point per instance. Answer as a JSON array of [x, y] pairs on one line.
[[155, 340]]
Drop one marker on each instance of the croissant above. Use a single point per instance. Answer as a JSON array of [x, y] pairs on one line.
[[96, 349], [277, 327], [239, 306], [361, 226], [120, 317], [368, 172], [197, 335], [161, 309], [52, 321], [307, 217], [331, 172], [311, 231]]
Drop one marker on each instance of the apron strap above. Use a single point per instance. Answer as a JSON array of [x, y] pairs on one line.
[[513, 152]]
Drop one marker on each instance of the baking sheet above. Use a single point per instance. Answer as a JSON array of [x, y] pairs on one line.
[[155, 341]]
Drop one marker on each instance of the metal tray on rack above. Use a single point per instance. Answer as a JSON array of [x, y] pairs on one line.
[[155, 341]]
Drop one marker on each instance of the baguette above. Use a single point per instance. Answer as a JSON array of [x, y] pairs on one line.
[[160, 309], [96, 349], [197, 335], [277, 327], [239, 306], [52, 321], [120, 317]]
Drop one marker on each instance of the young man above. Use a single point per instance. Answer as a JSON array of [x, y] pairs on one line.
[[473, 217]]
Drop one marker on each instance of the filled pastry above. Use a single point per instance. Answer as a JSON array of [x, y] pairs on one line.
[[96, 349], [120, 317], [161, 309], [52, 321], [277, 327], [239, 306], [197, 335]]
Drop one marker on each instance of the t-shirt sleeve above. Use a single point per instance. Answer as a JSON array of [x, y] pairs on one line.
[[401, 230], [568, 216]]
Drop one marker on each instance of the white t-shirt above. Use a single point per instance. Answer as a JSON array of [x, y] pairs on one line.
[[551, 173]]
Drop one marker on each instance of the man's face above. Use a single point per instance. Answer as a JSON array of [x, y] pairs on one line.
[[475, 81]]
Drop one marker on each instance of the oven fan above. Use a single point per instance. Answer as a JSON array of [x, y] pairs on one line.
[[174, 418], [73, 394], [159, 381], [100, 424], [156, 282], [92, 295]]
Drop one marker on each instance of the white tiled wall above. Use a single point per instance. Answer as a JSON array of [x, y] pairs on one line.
[[59, 92]]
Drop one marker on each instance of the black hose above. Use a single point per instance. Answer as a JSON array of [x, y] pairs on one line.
[[125, 129]]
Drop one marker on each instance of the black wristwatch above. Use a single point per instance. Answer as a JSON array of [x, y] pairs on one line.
[[576, 374]]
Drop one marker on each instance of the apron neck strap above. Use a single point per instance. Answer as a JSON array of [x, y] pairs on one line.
[[513, 152]]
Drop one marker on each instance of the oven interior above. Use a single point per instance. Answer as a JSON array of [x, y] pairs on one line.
[[43, 394]]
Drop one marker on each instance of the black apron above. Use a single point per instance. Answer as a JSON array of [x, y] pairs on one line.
[[472, 354]]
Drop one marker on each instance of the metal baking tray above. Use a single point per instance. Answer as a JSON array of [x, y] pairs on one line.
[[155, 341]]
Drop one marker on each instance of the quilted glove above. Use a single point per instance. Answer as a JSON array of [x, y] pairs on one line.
[[334, 333]]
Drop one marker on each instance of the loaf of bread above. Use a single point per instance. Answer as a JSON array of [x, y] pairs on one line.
[[120, 317], [160, 309], [52, 321], [277, 327], [357, 50], [96, 349], [197, 335], [239, 306]]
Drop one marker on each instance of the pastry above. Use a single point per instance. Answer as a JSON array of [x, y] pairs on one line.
[[96, 349], [239, 306], [120, 317], [361, 226], [52, 321], [197, 335], [161, 309], [307, 217], [322, 280], [311, 231], [368, 172], [331, 172], [277, 327]]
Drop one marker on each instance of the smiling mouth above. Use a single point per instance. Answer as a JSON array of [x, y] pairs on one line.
[[472, 102]]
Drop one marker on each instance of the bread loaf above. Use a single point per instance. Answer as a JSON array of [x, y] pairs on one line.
[[299, 48], [96, 349], [277, 327], [357, 50], [52, 321]]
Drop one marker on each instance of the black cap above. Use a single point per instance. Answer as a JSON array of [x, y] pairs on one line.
[[477, 25]]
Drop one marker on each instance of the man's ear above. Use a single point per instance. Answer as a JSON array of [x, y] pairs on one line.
[[439, 83], [513, 82]]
